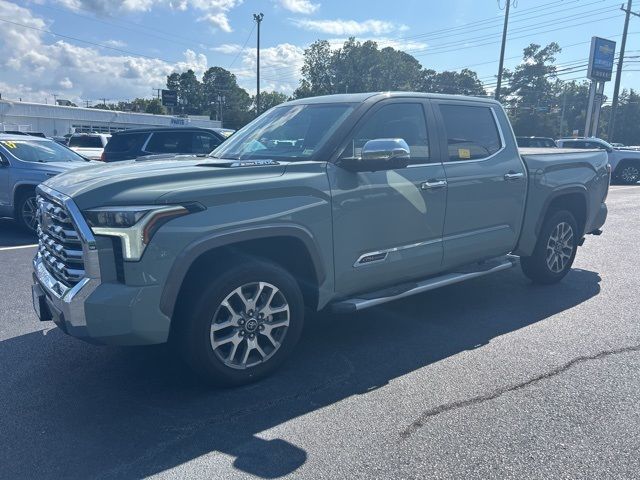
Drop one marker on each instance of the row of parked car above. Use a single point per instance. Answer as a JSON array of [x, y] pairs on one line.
[[28, 159], [624, 161]]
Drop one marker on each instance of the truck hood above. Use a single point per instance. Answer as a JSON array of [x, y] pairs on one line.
[[145, 182]]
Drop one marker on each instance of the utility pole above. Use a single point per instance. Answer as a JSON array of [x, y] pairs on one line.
[[87, 102], [504, 44], [616, 88], [258, 19], [55, 98], [157, 90]]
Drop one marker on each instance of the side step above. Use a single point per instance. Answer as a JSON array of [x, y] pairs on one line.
[[401, 291]]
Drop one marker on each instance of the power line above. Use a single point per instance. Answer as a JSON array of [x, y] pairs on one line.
[[243, 46]]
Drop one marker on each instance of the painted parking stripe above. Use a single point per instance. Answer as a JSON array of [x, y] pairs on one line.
[[2, 249]]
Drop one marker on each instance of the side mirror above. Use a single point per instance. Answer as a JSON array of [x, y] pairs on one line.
[[380, 154], [3, 161]]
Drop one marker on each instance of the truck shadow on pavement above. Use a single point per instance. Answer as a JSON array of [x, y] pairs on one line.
[[71, 410]]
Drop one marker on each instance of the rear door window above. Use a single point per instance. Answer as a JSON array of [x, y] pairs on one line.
[[170, 142], [472, 133], [204, 143], [126, 142]]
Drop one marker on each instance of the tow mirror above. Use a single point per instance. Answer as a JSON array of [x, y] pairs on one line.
[[379, 154]]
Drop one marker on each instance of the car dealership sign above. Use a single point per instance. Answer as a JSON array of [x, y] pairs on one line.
[[601, 59]]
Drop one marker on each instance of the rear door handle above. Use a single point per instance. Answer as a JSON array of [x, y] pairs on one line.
[[433, 184], [513, 176]]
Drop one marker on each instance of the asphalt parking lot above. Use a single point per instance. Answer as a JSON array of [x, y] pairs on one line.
[[494, 378]]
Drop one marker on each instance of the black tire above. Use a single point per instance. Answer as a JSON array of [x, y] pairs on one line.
[[195, 333], [25, 202], [628, 173], [541, 267]]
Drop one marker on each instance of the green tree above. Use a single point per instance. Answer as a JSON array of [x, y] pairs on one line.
[[317, 75], [270, 99], [225, 99], [465, 82], [190, 95], [532, 93]]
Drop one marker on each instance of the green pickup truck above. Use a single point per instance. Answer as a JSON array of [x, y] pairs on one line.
[[341, 202]]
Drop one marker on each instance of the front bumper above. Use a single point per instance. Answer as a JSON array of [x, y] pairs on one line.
[[98, 309], [102, 313]]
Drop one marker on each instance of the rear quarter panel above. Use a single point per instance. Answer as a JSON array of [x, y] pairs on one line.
[[556, 172]]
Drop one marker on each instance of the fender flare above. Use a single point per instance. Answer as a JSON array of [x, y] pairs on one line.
[[194, 250], [581, 190]]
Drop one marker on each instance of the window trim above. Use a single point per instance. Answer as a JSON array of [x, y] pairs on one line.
[[491, 108]]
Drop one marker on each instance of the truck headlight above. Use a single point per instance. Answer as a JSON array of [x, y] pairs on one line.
[[135, 226]]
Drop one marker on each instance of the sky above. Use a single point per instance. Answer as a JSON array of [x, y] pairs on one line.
[[87, 50]]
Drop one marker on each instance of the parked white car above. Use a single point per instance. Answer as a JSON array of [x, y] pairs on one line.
[[625, 163], [90, 145]]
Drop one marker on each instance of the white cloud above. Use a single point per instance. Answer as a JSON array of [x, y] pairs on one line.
[[383, 42], [218, 20], [213, 11], [36, 68], [300, 6], [228, 48], [349, 27], [115, 43]]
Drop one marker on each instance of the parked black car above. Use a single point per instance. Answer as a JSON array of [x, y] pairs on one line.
[[536, 142], [140, 142]]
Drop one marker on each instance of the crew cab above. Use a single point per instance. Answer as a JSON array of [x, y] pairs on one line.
[[625, 162], [340, 202]]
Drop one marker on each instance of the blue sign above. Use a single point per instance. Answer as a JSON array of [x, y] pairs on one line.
[[601, 59]]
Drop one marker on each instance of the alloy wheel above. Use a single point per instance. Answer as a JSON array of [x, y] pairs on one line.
[[630, 174], [28, 213], [560, 247], [250, 324]]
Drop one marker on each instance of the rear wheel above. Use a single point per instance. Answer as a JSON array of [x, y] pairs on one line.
[[26, 210], [244, 324], [629, 173], [555, 250]]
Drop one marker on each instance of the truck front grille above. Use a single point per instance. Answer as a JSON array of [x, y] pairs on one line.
[[59, 243]]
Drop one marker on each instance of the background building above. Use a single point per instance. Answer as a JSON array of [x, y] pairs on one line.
[[60, 120]]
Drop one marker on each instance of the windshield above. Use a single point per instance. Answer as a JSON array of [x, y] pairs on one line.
[[85, 142], [43, 151], [289, 132]]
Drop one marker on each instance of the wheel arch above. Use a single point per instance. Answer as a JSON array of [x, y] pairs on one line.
[[572, 199], [290, 246], [18, 190]]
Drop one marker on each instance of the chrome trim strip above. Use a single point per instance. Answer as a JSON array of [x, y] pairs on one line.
[[359, 262], [386, 252], [477, 232]]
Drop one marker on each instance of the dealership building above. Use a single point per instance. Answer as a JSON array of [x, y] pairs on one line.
[[59, 120]]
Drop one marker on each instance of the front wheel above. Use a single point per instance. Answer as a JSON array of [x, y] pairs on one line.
[[244, 324], [555, 250], [26, 211]]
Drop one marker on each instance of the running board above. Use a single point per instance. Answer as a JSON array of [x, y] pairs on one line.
[[458, 275]]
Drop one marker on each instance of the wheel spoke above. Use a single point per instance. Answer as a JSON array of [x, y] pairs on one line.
[[267, 333], [222, 325], [232, 337], [274, 310]]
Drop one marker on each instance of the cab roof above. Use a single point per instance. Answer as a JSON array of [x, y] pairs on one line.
[[362, 97]]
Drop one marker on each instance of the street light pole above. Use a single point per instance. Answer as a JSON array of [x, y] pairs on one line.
[[258, 19], [502, 48]]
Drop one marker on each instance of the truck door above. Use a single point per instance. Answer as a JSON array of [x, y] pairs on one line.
[[388, 224], [486, 182]]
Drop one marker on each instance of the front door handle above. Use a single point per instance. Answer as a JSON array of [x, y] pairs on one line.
[[511, 176], [433, 184]]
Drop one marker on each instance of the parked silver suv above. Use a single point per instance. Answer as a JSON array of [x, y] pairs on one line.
[[25, 162]]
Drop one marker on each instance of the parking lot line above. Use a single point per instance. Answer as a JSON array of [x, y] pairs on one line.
[[18, 247]]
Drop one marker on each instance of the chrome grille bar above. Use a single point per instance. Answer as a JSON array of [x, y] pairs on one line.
[[60, 246]]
